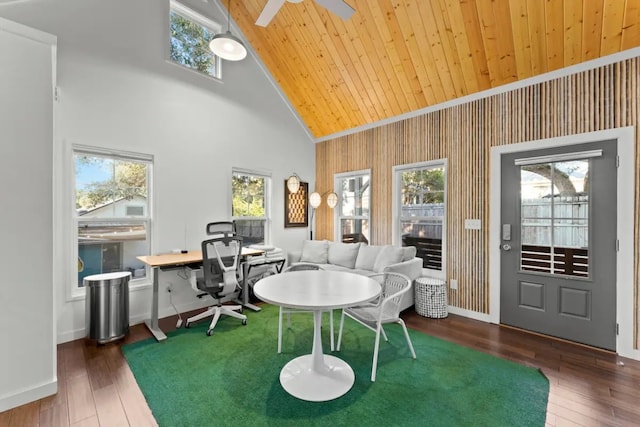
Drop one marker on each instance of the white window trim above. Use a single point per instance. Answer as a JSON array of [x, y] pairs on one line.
[[397, 191], [267, 196], [194, 16], [337, 217], [74, 292]]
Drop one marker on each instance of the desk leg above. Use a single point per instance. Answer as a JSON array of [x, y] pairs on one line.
[[245, 288], [152, 323]]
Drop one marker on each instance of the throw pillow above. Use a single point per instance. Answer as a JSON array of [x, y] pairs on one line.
[[343, 254], [367, 257], [314, 251], [388, 255]]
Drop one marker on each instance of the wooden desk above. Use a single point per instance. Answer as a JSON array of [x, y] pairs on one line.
[[165, 261]]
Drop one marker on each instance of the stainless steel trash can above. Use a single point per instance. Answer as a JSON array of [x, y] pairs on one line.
[[107, 306]]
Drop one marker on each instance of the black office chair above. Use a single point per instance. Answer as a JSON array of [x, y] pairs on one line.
[[224, 228], [220, 263]]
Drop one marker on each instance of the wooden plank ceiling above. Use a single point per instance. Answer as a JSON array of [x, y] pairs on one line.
[[394, 56]]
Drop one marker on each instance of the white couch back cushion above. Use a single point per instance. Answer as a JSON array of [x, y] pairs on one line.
[[314, 251], [343, 254], [367, 257]]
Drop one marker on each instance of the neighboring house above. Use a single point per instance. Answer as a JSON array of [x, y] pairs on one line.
[[104, 248]]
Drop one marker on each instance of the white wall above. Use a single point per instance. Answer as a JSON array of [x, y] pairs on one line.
[[118, 91], [27, 352]]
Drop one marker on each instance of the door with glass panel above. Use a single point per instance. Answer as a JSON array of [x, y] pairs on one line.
[[558, 242]]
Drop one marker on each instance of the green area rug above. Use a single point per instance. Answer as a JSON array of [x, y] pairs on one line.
[[232, 378]]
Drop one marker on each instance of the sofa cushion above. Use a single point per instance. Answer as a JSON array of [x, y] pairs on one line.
[[343, 254], [367, 257], [388, 255], [314, 251], [409, 252]]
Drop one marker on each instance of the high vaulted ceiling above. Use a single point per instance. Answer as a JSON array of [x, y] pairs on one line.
[[394, 56]]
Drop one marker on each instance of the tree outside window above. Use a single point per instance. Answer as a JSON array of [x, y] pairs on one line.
[[190, 34], [249, 206]]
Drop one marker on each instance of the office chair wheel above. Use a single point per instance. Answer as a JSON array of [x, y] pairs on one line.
[[209, 332], [244, 322]]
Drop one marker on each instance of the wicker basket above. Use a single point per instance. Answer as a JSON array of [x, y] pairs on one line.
[[431, 297]]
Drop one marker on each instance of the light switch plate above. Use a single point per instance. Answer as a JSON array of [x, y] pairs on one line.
[[472, 224]]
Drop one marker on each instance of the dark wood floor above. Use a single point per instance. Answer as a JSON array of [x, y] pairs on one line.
[[588, 387]]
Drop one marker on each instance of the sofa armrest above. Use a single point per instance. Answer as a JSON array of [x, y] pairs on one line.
[[411, 268], [293, 257]]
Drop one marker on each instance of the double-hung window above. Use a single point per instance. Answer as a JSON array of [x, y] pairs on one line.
[[190, 34], [420, 207], [354, 206], [250, 205], [112, 213]]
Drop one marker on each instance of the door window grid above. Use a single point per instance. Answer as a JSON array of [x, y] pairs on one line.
[[555, 218]]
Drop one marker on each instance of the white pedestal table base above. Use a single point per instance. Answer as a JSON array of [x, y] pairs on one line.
[[301, 380]]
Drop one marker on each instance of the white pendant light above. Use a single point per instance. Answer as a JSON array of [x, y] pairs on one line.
[[293, 183], [332, 200], [226, 45], [315, 199]]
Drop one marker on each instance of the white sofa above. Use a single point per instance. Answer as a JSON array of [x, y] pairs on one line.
[[362, 259]]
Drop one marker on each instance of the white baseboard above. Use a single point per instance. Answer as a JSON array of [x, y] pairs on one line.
[[476, 315], [80, 333], [28, 395]]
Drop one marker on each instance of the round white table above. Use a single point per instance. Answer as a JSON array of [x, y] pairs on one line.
[[317, 377]]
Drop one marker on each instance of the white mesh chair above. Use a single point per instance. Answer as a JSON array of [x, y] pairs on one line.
[[386, 309], [220, 261], [288, 311]]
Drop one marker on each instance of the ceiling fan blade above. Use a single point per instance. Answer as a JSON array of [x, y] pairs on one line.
[[338, 7], [270, 9]]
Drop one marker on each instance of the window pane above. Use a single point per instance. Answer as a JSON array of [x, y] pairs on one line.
[[421, 188], [571, 233], [248, 195], [355, 230], [105, 247], [251, 231], [190, 45], [355, 196], [554, 217], [110, 188], [426, 236], [422, 210]]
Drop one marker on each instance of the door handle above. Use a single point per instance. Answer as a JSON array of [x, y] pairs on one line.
[[506, 247]]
